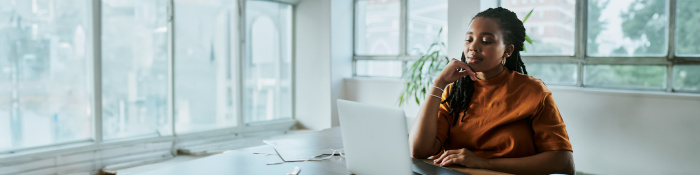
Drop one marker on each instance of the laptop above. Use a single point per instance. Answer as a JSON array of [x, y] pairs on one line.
[[375, 140]]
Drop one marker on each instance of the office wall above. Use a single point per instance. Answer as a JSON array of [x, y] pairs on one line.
[[312, 86], [323, 58], [612, 132]]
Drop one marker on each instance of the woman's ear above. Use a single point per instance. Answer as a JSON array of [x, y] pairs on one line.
[[509, 51]]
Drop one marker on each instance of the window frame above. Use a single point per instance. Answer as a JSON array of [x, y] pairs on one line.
[[579, 58], [96, 142], [403, 55]]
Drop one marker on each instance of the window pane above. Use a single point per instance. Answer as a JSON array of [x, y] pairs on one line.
[[135, 68], [379, 68], [550, 26], [627, 28], [686, 77], [552, 73], [268, 68], [687, 17], [45, 68], [425, 19], [377, 27], [626, 76], [203, 77]]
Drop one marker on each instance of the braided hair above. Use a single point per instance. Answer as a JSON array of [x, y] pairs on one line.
[[514, 33]]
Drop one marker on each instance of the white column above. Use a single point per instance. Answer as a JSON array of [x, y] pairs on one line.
[[312, 87]]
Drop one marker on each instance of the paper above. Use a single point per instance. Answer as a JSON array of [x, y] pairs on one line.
[[300, 147]]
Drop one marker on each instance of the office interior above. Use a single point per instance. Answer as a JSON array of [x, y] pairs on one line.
[[109, 86]]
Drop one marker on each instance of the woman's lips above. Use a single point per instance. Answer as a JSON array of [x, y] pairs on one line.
[[472, 58]]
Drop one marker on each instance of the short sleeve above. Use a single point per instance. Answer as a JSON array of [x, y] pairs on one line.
[[443, 122], [549, 128]]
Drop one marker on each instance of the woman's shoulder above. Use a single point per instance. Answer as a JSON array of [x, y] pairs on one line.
[[529, 83]]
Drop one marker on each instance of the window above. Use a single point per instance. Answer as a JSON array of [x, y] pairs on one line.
[[621, 44], [687, 24], [425, 19], [204, 79], [627, 28], [45, 91], [626, 76], [550, 26], [268, 65], [135, 68], [386, 40], [686, 78], [48, 71], [377, 27], [551, 29], [552, 73]]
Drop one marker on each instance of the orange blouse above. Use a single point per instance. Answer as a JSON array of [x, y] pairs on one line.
[[510, 115]]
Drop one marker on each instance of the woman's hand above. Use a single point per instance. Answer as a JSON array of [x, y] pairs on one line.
[[451, 73], [461, 157]]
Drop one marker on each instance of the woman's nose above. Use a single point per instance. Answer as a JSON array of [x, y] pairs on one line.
[[472, 47]]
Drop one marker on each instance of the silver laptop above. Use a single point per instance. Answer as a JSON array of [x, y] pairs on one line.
[[375, 139]]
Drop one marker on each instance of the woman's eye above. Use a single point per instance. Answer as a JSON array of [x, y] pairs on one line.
[[468, 40], [486, 42]]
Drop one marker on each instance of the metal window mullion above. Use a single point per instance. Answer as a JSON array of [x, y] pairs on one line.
[[242, 60], [550, 59], [171, 74], [354, 37], [293, 64], [403, 27], [580, 39], [96, 9], [403, 33], [671, 44], [627, 60], [387, 58]]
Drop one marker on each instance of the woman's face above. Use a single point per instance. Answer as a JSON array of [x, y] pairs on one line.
[[485, 47]]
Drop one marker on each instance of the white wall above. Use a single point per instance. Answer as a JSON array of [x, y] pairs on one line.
[[312, 87], [323, 58], [617, 132], [612, 132]]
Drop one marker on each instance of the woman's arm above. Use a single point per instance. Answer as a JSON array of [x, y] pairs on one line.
[[423, 135], [548, 162]]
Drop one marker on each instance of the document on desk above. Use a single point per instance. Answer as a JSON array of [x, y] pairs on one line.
[[305, 146]]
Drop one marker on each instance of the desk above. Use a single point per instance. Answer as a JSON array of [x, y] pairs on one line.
[[243, 161]]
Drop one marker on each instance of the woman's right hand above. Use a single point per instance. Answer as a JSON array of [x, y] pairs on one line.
[[451, 73]]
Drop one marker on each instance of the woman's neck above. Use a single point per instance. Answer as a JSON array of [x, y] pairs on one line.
[[489, 74]]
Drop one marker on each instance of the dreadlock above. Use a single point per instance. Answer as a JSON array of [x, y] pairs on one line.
[[514, 33]]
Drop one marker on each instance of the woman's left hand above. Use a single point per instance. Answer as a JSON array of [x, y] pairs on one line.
[[461, 157]]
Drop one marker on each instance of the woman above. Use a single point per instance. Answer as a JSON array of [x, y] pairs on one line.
[[492, 115]]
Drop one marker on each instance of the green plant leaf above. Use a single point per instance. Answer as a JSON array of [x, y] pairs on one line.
[[528, 15], [527, 38], [417, 101], [419, 76]]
